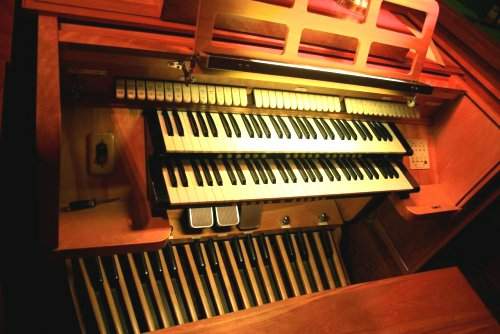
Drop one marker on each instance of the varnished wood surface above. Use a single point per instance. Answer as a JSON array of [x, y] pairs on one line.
[[433, 302]]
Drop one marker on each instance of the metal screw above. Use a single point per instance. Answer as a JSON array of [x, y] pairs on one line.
[[323, 217], [285, 220]]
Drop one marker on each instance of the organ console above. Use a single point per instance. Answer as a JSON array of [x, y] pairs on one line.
[[203, 157]]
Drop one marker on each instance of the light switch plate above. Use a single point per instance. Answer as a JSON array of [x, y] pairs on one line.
[[101, 153], [420, 157]]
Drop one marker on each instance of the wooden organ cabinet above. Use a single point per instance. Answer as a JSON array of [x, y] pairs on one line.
[[203, 157]]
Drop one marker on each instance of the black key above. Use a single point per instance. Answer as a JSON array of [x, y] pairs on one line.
[[295, 127], [168, 123], [284, 127], [308, 169], [349, 128], [216, 172], [290, 171], [261, 241], [230, 172], [203, 125], [348, 167], [140, 264], [327, 128], [287, 241], [192, 122], [198, 257], [302, 128], [170, 260], [360, 131], [261, 171], [256, 126], [316, 170], [239, 172], [338, 129], [325, 241], [380, 130], [355, 167], [366, 169], [247, 126], [206, 172], [365, 129], [301, 170], [326, 169], [320, 127], [333, 169], [343, 169], [388, 168], [225, 125], [234, 124], [178, 124], [252, 256], [302, 246], [281, 170], [374, 130], [212, 255], [252, 171], [263, 124], [384, 131], [310, 128], [269, 171], [238, 255], [197, 174], [171, 174], [94, 273], [155, 261], [182, 174], [381, 169], [343, 128], [110, 269], [394, 171], [211, 124], [369, 165], [276, 127]]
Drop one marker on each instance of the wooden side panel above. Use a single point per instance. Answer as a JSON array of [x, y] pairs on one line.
[[48, 128], [438, 301], [6, 22]]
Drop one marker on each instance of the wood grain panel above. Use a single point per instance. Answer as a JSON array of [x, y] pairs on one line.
[[438, 301], [48, 128]]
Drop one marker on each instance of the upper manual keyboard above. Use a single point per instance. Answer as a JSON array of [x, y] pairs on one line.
[[205, 132]]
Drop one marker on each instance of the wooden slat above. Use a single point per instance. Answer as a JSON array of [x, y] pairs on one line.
[[313, 263], [275, 268], [115, 316], [184, 284], [265, 275], [72, 290], [338, 261], [92, 297], [288, 266], [237, 275], [156, 292], [324, 260], [300, 266], [197, 281], [126, 295], [211, 281], [140, 293], [225, 278], [253, 280], [170, 289]]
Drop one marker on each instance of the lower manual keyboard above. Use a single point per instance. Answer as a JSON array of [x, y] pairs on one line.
[[186, 282], [183, 181]]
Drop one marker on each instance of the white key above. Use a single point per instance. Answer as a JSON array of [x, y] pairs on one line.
[[203, 94], [131, 89], [228, 96], [272, 99], [300, 101], [338, 108], [167, 140], [265, 98], [235, 92], [331, 104], [257, 96], [279, 99], [160, 91], [177, 92], [169, 92], [173, 196], [141, 89], [287, 103], [219, 93], [186, 93], [151, 90], [195, 93], [178, 141], [312, 102], [196, 195], [190, 141], [120, 89], [293, 101], [243, 97], [324, 100], [212, 95]]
